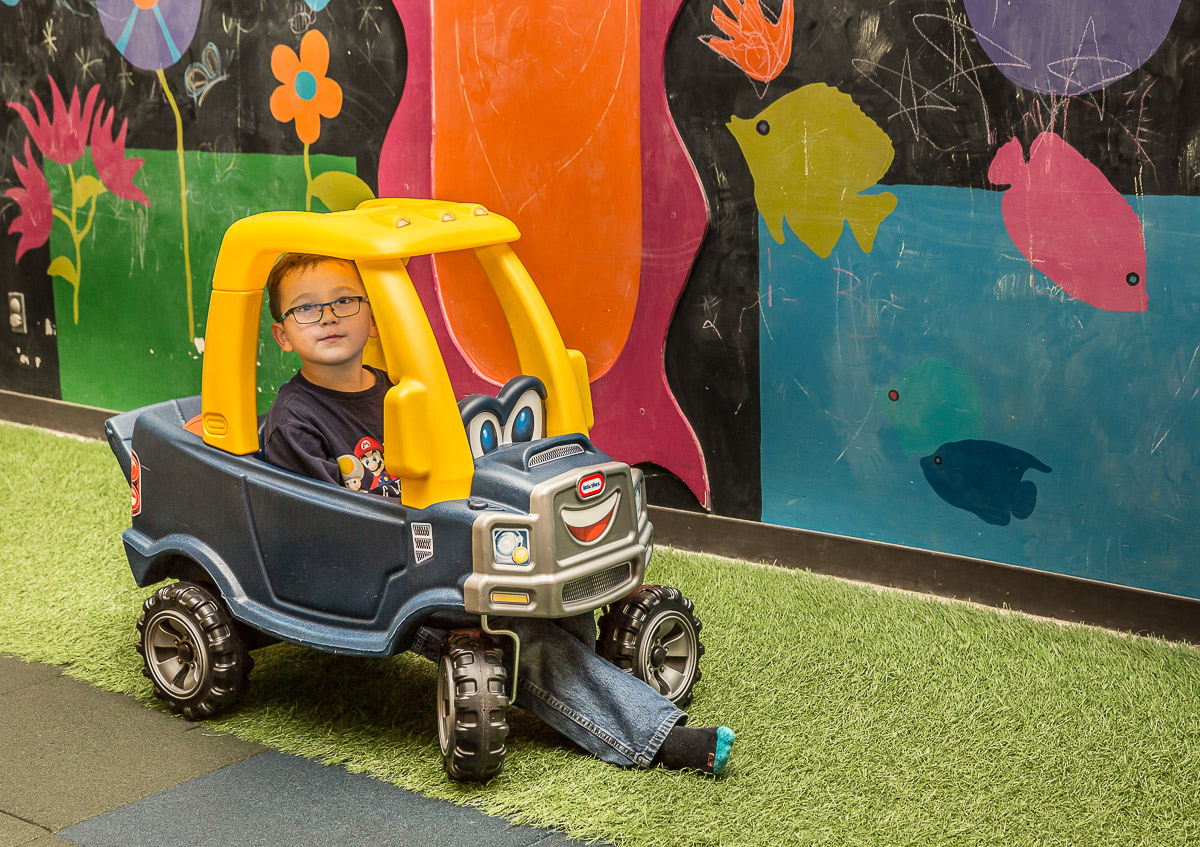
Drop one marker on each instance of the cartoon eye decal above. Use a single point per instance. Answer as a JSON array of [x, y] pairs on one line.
[[483, 433], [527, 421], [762, 127], [1132, 279]]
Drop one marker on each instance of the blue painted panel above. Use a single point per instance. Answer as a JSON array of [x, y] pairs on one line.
[[1110, 401]]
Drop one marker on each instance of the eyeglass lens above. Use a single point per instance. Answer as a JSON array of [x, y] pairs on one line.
[[343, 307]]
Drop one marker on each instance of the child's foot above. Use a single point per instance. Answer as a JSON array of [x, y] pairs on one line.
[[704, 750]]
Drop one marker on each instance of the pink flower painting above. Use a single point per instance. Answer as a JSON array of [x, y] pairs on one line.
[[33, 198], [63, 137], [108, 154]]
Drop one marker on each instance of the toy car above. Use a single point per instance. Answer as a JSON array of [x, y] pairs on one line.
[[506, 507]]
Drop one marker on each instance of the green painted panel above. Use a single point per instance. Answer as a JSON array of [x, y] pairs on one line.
[[132, 344]]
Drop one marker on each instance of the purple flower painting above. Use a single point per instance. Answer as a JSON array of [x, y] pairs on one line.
[[151, 34], [1070, 46]]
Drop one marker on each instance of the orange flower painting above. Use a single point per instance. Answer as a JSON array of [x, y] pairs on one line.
[[761, 48], [306, 94]]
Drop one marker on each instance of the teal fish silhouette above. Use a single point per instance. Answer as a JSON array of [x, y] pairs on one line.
[[984, 478]]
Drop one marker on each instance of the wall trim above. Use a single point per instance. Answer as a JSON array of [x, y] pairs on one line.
[[1028, 590], [997, 584], [71, 418]]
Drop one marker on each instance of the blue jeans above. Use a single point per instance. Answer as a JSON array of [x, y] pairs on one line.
[[611, 714]]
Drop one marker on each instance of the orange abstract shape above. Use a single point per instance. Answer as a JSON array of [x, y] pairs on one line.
[[306, 94], [558, 152], [759, 47], [637, 418]]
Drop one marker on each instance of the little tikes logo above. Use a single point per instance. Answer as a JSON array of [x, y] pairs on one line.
[[591, 485], [135, 483]]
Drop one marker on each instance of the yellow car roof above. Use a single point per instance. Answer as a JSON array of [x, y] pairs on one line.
[[377, 229]]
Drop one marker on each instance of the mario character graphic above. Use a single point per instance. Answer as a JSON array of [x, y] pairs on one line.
[[369, 453]]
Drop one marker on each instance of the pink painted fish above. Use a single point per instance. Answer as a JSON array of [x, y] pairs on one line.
[[1067, 219]]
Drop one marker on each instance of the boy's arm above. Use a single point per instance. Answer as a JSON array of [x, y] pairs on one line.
[[294, 447]]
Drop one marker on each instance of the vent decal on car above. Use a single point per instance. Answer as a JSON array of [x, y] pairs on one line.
[[589, 526], [422, 534]]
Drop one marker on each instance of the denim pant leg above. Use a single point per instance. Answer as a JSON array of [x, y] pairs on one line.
[[611, 714]]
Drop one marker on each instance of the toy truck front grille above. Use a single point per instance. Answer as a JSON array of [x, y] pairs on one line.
[[595, 585], [588, 546]]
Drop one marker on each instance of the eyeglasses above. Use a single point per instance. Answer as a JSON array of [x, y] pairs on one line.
[[310, 313]]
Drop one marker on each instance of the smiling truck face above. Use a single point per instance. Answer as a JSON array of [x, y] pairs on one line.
[[584, 539]]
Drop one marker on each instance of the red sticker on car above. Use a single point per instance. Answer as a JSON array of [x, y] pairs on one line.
[[135, 483], [591, 485]]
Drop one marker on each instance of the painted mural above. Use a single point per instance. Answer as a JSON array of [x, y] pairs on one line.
[[1006, 366], [136, 132], [919, 272]]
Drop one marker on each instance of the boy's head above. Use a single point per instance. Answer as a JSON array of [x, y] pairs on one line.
[[291, 264], [320, 309]]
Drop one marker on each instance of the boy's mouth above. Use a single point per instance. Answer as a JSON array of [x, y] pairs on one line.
[[332, 337]]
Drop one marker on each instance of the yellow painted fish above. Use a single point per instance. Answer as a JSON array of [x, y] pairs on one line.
[[811, 152]]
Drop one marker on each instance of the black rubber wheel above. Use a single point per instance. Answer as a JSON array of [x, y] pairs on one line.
[[191, 651], [654, 634], [472, 706]]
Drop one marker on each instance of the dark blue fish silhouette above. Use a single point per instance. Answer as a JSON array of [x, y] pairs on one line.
[[984, 477]]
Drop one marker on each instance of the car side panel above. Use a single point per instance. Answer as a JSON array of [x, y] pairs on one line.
[[300, 559]]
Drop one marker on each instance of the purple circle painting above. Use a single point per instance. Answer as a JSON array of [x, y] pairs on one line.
[[151, 34], [1069, 46]]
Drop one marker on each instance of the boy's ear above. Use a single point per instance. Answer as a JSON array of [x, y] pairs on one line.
[[281, 338], [373, 332]]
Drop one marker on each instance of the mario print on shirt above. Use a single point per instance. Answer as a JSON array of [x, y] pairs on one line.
[[364, 471]]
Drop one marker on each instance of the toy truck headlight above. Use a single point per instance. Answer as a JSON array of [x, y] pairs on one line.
[[510, 546], [639, 497]]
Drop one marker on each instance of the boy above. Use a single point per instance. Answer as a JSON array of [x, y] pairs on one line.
[[332, 412]]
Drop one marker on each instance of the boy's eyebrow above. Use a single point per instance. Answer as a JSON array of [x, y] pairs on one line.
[[340, 291]]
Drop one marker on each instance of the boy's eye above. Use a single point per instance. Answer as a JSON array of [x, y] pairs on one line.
[[344, 301], [305, 311]]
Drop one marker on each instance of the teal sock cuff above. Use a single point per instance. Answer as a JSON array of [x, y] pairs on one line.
[[725, 739]]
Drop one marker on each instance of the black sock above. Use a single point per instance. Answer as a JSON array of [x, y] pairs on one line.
[[704, 750]]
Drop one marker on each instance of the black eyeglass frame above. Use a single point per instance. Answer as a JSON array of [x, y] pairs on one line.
[[357, 298]]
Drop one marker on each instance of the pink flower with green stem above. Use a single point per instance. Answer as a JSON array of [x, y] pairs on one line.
[[63, 138]]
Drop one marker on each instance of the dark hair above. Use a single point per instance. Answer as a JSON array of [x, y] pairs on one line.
[[293, 263]]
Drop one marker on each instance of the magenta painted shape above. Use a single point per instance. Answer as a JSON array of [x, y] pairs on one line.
[[1067, 219], [637, 417]]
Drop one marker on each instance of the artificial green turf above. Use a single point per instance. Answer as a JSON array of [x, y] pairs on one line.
[[863, 717]]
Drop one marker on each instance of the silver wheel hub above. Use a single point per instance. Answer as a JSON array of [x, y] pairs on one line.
[[446, 710], [668, 653], [175, 654]]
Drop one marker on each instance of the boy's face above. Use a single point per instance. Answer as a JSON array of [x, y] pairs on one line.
[[331, 341]]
